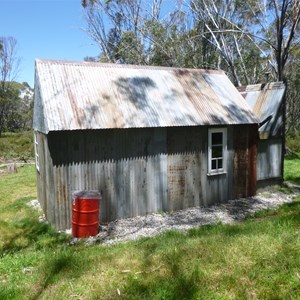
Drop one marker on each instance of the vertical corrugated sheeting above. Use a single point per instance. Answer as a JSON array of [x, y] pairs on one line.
[[267, 101], [138, 135], [269, 159], [41, 181], [128, 168], [139, 171], [244, 161], [252, 160]]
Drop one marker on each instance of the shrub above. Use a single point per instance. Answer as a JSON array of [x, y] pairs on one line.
[[17, 145], [293, 142]]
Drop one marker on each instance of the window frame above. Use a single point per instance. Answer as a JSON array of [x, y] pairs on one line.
[[222, 170], [36, 151]]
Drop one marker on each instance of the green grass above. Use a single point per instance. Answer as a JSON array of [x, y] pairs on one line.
[[17, 146], [292, 168], [293, 142], [256, 259]]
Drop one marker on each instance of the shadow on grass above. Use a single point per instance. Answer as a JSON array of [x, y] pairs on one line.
[[171, 271], [172, 278], [58, 265], [292, 167], [292, 156], [295, 180], [43, 240], [172, 281], [29, 232], [65, 264]]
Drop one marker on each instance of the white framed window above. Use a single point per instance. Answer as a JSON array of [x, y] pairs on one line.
[[36, 150], [217, 150]]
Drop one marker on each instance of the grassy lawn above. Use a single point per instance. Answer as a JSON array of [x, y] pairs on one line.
[[257, 259], [292, 168]]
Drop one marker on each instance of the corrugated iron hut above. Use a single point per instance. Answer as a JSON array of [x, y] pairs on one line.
[[148, 138], [267, 103]]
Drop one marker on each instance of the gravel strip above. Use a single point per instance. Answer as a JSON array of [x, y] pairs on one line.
[[152, 224]]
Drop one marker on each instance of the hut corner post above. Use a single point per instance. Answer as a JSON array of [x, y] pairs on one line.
[[252, 157]]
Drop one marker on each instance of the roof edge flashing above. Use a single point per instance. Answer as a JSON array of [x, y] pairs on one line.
[[126, 66]]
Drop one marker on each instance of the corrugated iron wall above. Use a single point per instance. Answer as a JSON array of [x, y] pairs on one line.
[[137, 171], [45, 179], [188, 182], [128, 167], [268, 101], [269, 159], [244, 163], [41, 181]]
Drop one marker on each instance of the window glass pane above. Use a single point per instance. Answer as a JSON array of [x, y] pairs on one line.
[[217, 138], [217, 151], [213, 164], [220, 163]]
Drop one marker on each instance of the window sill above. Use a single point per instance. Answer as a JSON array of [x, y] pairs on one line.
[[217, 173]]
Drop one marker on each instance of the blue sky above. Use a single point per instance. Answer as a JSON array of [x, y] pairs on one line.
[[45, 29]]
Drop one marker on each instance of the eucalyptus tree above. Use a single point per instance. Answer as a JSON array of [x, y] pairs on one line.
[[141, 32], [252, 30], [277, 28], [118, 27], [224, 25], [171, 43], [293, 100], [9, 64], [245, 38]]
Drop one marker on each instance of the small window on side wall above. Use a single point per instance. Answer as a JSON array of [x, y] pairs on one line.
[[217, 148], [36, 150]]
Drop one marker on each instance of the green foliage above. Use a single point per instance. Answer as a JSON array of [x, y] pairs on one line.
[[17, 146], [244, 38], [292, 99], [15, 98], [16, 106], [293, 142], [292, 168], [129, 48]]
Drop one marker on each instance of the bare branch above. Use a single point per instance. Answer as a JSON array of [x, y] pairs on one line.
[[9, 61]]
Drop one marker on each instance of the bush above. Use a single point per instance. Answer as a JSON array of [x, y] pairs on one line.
[[18, 146], [293, 142]]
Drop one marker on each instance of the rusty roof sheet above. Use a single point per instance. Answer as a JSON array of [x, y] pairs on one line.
[[265, 101], [84, 95]]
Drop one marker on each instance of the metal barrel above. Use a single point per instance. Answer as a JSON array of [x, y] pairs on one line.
[[85, 213]]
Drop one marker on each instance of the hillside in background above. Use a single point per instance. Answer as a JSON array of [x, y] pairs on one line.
[[16, 106], [16, 147]]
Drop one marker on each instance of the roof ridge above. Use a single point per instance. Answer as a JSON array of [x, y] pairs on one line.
[[261, 86], [123, 66]]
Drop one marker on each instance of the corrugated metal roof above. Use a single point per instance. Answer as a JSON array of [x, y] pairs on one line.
[[265, 101], [84, 95]]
